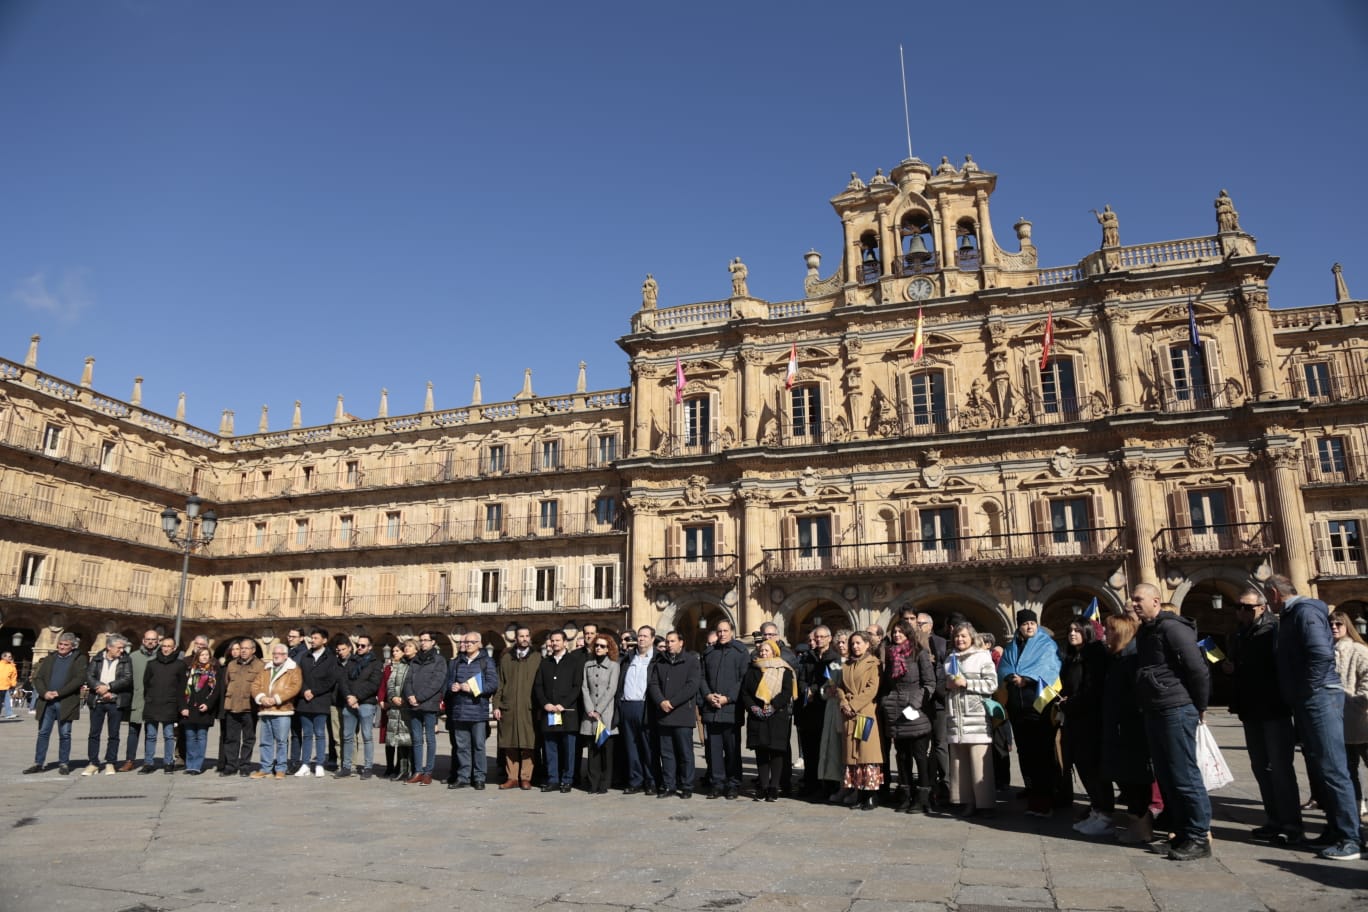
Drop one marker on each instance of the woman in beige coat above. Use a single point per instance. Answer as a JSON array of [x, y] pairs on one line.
[[863, 750], [1351, 661]]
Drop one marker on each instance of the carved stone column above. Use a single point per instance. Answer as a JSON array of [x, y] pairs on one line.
[[752, 370], [1140, 472], [643, 532], [1123, 366], [886, 245], [1291, 519], [1259, 325], [852, 249], [946, 242], [987, 245], [750, 611]]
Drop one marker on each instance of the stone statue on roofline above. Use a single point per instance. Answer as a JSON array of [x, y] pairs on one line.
[[649, 292], [1111, 228], [738, 273], [1227, 219]]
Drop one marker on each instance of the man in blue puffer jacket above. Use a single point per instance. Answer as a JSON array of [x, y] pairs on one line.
[[1311, 686]]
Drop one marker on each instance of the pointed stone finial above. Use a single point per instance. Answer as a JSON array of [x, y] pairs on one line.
[[526, 392], [136, 399], [88, 373], [1341, 289], [427, 398], [297, 420], [476, 396], [384, 403], [226, 423], [180, 407], [579, 383], [31, 359], [339, 414], [262, 425]]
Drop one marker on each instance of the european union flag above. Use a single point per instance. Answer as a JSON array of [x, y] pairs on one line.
[[1193, 339]]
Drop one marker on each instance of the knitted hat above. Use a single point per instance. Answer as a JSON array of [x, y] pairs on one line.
[[1026, 614]]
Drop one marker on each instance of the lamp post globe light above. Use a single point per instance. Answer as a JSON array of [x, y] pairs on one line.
[[187, 543]]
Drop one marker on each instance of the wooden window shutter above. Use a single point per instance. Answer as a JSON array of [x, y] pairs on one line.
[[1181, 518], [1098, 519]]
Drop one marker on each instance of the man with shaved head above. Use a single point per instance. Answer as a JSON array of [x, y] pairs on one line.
[[1172, 686]]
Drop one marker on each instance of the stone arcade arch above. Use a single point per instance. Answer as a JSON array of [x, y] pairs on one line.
[[1057, 601], [693, 614], [941, 599], [800, 611]]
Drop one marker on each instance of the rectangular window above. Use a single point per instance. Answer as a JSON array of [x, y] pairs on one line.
[[494, 517], [259, 535], [52, 439], [138, 588], [389, 590], [605, 582], [697, 421], [339, 593], [605, 510], [1068, 525], [392, 525], [308, 476], [352, 473], [253, 593], [1330, 452], [296, 588], [90, 575], [496, 459], [1189, 370], [489, 587], [1211, 530], [265, 486], [301, 533], [1059, 396], [550, 454], [442, 597], [806, 412], [698, 543], [814, 536], [607, 448], [99, 513], [546, 584], [546, 517], [44, 499], [1345, 545], [928, 399], [226, 600], [939, 532], [107, 455], [346, 529], [1317, 374]]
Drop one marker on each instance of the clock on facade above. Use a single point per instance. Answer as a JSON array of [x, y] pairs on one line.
[[919, 289]]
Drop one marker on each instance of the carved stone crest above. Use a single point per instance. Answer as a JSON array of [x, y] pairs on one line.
[[695, 489], [809, 481], [1062, 462], [1201, 451]]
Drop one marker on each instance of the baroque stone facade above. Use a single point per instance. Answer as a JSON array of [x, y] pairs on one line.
[[901, 435]]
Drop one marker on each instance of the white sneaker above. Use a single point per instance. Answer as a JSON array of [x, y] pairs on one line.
[[1101, 825], [303, 772], [109, 769], [1082, 825], [319, 772], [90, 770]]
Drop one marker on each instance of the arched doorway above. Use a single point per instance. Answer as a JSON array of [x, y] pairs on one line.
[[819, 612], [945, 599], [694, 621]]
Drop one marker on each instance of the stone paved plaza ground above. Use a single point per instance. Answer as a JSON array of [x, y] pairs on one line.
[[130, 843]]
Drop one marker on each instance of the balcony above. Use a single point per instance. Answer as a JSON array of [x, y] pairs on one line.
[[1099, 545], [1334, 387], [80, 594], [697, 445], [122, 525], [1193, 398], [710, 570], [430, 604], [1345, 562], [1352, 468], [1214, 542], [98, 456]]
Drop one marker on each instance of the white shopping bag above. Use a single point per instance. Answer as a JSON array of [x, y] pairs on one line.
[[1215, 771]]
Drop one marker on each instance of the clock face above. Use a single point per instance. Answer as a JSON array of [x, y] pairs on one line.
[[919, 289]]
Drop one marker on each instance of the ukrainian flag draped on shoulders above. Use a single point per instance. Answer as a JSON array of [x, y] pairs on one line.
[[1036, 660]]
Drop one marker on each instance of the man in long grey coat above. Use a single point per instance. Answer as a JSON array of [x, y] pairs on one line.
[[513, 710]]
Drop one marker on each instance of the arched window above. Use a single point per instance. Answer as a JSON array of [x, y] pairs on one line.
[[967, 245], [918, 242], [871, 262]]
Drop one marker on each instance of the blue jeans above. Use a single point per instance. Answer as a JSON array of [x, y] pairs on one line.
[[1172, 735], [470, 750], [313, 733], [560, 757], [196, 740], [168, 733], [423, 730], [1271, 750], [676, 757], [275, 743], [636, 740], [102, 715], [9, 704], [52, 715], [361, 718], [1320, 719]]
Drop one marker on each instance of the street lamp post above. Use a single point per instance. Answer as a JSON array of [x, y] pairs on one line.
[[171, 523]]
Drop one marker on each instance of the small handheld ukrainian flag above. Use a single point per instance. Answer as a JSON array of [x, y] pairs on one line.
[[476, 685], [864, 727], [954, 666], [1093, 613], [600, 733], [1048, 693], [1211, 650]]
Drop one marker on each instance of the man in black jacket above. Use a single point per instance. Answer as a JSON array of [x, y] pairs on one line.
[[357, 696], [57, 684], [724, 667], [320, 673], [109, 692], [1172, 686], [556, 698], [1266, 718], [814, 673], [672, 688]]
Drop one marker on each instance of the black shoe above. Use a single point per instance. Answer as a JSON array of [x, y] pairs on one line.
[[714, 795], [686, 794], [1190, 850], [565, 788], [477, 786], [36, 768], [191, 772], [452, 786], [1267, 831], [771, 796], [170, 769], [344, 773], [63, 769], [662, 794], [225, 772], [733, 794], [548, 787], [146, 769], [292, 767], [366, 774], [244, 772], [648, 789], [1289, 839], [631, 790]]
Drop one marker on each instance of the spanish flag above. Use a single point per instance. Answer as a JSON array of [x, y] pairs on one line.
[[792, 373], [1049, 340], [1048, 693], [680, 382], [1211, 650], [919, 340]]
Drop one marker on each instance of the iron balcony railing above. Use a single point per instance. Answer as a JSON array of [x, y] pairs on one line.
[[1345, 562], [1193, 398], [1348, 468], [1211, 540], [68, 593], [1081, 545], [408, 604], [703, 570], [1335, 386], [99, 456]]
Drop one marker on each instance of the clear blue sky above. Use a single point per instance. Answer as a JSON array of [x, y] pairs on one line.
[[257, 202]]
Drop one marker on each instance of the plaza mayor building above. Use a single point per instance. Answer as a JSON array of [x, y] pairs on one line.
[[938, 421]]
